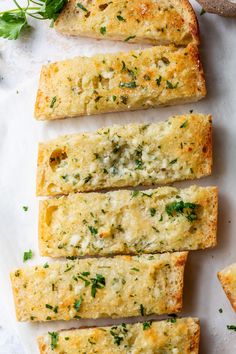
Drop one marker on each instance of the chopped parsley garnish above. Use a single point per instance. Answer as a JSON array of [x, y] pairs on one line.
[[81, 6], [171, 86], [184, 125], [158, 81], [50, 307], [97, 283], [103, 30], [131, 84], [25, 208], [147, 77], [53, 101], [203, 11], [54, 339], [232, 328], [93, 230], [138, 164], [134, 194], [147, 325], [77, 303], [46, 265], [118, 333], [88, 178], [128, 38], [120, 18], [135, 269], [142, 310], [113, 98], [173, 162], [152, 211], [27, 255], [173, 318], [180, 207], [220, 311]]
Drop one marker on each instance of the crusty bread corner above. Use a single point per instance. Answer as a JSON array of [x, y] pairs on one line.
[[227, 278], [145, 21], [181, 336]]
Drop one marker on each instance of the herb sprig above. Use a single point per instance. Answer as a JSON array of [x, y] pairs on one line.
[[14, 21]]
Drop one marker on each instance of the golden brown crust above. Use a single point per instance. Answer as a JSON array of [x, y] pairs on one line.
[[124, 286], [122, 156], [180, 336], [157, 76], [162, 22], [227, 277], [151, 229]]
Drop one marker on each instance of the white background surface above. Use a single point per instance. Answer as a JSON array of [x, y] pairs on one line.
[[20, 63]]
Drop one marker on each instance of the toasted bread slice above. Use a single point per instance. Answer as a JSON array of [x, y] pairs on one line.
[[128, 222], [131, 155], [122, 286], [155, 22], [124, 81], [169, 337], [227, 277]]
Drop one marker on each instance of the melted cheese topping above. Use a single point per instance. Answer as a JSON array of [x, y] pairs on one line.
[[107, 287], [124, 222], [119, 156]]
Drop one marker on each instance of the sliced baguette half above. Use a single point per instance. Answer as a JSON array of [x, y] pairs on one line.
[[128, 222], [157, 76], [145, 21], [122, 286], [178, 336], [130, 155]]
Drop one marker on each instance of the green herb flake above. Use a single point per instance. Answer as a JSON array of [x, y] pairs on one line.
[[118, 333], [131, 84], [184, 125], [46, 265], [98, 282], [158, 81], [78, 303], [103, 30], [113, 98], [81, 6], [152, 211], [53, 101], [25, 208], [93, 230], [203, 11], [135, 269], [171, 86], [147, 325], [173, 162], [129, 38], [120, 18], [231, 328], [134, 194], [50, 307], [142, 310], [27, 255], [54, 339], [220, 311]]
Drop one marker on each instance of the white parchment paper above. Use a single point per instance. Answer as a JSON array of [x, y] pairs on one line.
[[20, 63]]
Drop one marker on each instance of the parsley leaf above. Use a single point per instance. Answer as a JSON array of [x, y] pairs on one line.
[[171, 86], [147, 325], [81, 6], [97, 283], [231, 328], [131, 84], [77, 303], [25, 208], [103, 30], [180, 207], [27, 255], [120, 18], [54, 339], [12, 23], [118, 333]]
